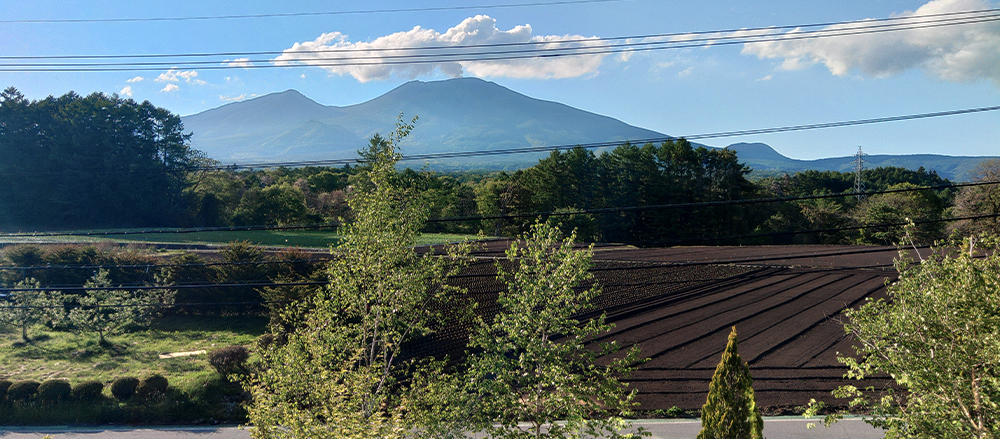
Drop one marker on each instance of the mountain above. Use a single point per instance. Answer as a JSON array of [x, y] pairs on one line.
[[762, 157], [460, 114], [463, 114]]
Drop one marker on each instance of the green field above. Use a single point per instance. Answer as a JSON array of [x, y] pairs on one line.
[[308, 239], [79, 357]]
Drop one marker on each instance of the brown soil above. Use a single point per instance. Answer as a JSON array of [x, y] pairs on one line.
[[678, 304]]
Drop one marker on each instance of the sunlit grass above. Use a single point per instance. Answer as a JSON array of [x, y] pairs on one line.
[[278, 238], [76, 357]]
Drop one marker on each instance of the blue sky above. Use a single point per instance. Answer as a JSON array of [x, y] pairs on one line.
[[677, 92]]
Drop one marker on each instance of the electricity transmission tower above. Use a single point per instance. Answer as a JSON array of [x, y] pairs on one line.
[[859, 165]]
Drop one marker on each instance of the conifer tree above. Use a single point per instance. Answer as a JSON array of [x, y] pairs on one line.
[[731, 409]]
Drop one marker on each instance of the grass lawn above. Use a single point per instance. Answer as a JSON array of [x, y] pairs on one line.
[[291, 238], [79, 357]]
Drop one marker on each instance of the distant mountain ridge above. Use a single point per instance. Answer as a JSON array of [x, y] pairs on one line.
[[760, 156], [462, 114]]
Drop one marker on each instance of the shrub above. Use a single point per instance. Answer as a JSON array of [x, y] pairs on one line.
[[22, 390], [123, 388], [230, 359], [88, 391], [54, 390], [152, 385], [4, 384]]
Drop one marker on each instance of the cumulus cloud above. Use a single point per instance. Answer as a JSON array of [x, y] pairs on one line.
[[238, 62], [962, 53], [241, 97], [335, 48], [136, 79], [174, 75], [170, 88], [127, 91]]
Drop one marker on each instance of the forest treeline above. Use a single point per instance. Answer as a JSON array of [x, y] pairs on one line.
[[101, 161]]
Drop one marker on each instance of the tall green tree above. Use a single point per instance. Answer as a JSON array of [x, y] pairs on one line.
[[938, 337], [731, 411], [98, 160], [529, 367], [980, 201], [345, 371]]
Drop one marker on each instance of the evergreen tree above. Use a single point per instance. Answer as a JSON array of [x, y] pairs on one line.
[[731, 409]]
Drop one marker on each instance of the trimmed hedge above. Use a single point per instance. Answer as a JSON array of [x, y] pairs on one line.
[[88, 391], [123, 388], [54, 390], [230, 359], [4, 384], [23, 390], [152, 385]]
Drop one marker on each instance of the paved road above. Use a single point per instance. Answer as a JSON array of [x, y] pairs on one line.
[[774, 428]]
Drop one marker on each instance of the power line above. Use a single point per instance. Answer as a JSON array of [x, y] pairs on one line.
[[172, 287], [587, 49], [960, 17], [303, 14], [506, 216], [140, 266], [704, 203], [535, 149], [583, 50]]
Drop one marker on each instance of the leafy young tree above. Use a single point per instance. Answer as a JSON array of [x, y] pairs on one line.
[[529, 367], [731, 411], [26, 308], [938, 337], [344, 371], [111, 311], [980, 200]]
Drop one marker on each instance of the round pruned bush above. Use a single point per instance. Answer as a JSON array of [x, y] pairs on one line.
[[152, 385], [88, 391], [228, 360], [4, 384], [54, 390], [123, 388], [22, 390]]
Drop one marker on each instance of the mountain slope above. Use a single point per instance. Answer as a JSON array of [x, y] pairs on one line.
[[460, 114]]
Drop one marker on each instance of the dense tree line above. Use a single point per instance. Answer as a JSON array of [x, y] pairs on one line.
[[103, 161], [94, 161]]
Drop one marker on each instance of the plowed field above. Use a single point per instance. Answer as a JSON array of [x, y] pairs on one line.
[[678, 305]]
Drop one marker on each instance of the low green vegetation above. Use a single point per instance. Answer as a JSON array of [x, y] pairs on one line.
[[57, 354]]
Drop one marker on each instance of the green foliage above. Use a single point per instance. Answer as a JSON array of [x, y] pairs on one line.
[[118, 162], [344, 372], [229, 360], [91, 390], [152, 386], [23, 390], [892, 211], [25, 308], [938, 337], [54, 390], [979, 201], [124, 387], [731, 411], [110, 312], [4, 385], [529, 367]]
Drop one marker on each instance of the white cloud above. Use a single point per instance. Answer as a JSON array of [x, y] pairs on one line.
[[303, 76], [685, 72], [127, 91], [174, 75], [477, 30], [136, 79], [232, 98], [766, 78], [962, 53], [170, 88], [238, 62]]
